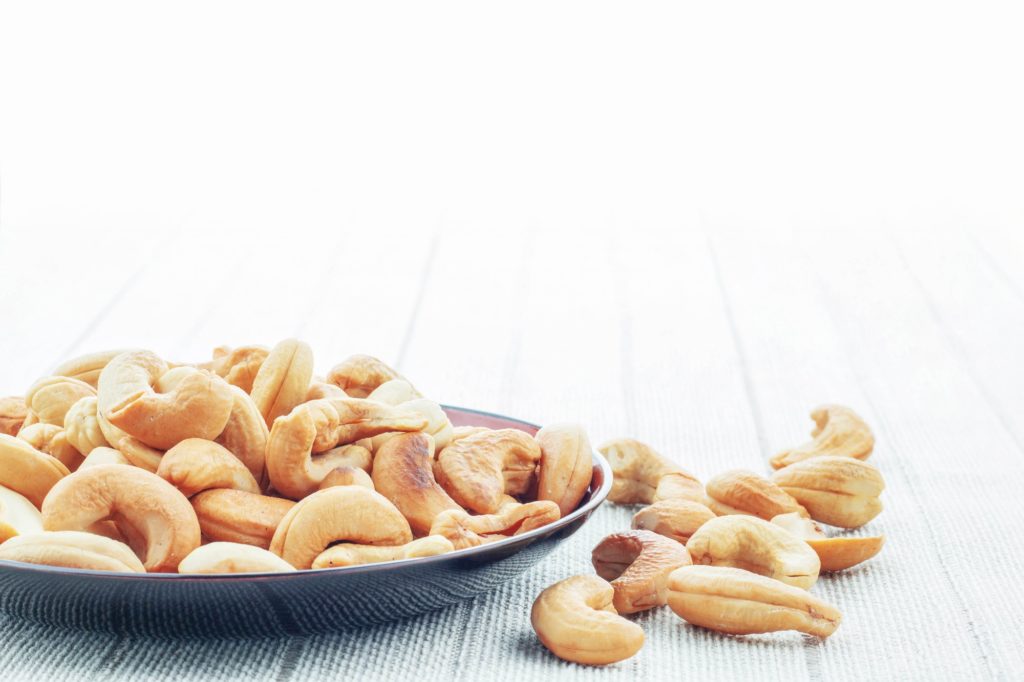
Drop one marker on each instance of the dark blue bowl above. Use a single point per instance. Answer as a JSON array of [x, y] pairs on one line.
[[304, 602]]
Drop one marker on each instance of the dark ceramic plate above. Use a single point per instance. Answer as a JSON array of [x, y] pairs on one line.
[[267, 604]]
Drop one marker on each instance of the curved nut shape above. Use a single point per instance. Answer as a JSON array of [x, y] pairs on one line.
[[283, 379], [103, 455], [839, 491], [755, 545], [836, 554], [348, 513], [739, 602], [680, 485], [53, 441], [138, 501], [82, 427], [27, 471], [479, 469], [566, 465], [197, 407], [576, 621], [463, 431], [636, 468], [318, 390], [403, 473], [674, 518], [237, 516], [13, 412], [837, 431], [232, 557], [18, 516], [246, 435], [743, 492], [360, 375], [87, 368], [394, 392], [195, 465], [347, 476], [438, 425], [318, 427], [139, 454], [240, 366], [352, 555], [638, 563], [72, 549], [50, 398], [465, 530]]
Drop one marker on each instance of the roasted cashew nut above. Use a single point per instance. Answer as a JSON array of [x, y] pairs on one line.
[[678, 519], [637, 563], [139, 502], [739, 602], [195, 465], [232, 557], [755, 545], [197, 407], [348, 513], [352, 555], [82, 426], [566, 465], [637, 468], [27, 471], [237, 516], [347, 475], [438, 425], [394, 392], [839, 491], [465, 530], [246, 435], [838, 431], [743, 492], [576, 621], [320, 389], [72, 549], [87, 368], [103, 455], [479, 469], [403, 473], [293, 462], [836, 553], [139, 454], [53, 441], [360, 375], [18, 516], [240, 366], [283, 379], [13, 412], [50, 398]]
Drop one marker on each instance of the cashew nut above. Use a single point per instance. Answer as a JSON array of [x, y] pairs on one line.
[[755, 545], [18, 516], [394, 392], [139, 454], [27, 471], [136, 500], [232, 557], [195, 465], [240, 366], [320, 389], [352, 555], [839, 491], [103, 455], [53, 441], [674, 518], [13, 412], [739, 602], [836, 553], [50, 398], [680, 485], [438, 424], [318, 427], [347, 476], [479, 469], [87, 368], [566, 465], [72, 549], [743, 492], [197, 407], [637, 469], [360, 375], [637, 563], [246, 435], [403, 473], [837, 431], [465, 530], [348, 513], [576, 621], [238, 516], [82, 427], [283, 379]]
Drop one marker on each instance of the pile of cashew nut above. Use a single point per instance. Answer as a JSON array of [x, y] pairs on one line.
[[121, 461], [737, 554]]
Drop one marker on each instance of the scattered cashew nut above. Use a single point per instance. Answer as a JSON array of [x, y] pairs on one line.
[[836, 553], [743, 492], [839, 491], [638, 563], [674, 518], [837, 431]]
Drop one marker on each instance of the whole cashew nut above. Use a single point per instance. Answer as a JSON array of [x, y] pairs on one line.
[[82, 426], [347, 475], [348, 513], [246, 435], [576, 621], [743, 492], [352, 555], [319, 426], [197, 407], [53, 441], [438, 425], [678, 519], [394, 392], [50, 398], [465, 530], [27, 471], [139, 454], [13, 412], [103, 455], [240, 366], [18, 516], [837, 431], [232, 557], [637, 563], [237, 516], [479, 469], [403, 473], [755, 545], [283, 379], [195, 465], [87, 368], [138, 501], [637, 468], [320, 389], [839, 491], [360, 375], [72, 549], [836, 553], [566, 465]]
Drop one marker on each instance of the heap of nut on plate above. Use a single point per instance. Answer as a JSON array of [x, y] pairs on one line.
[[737, 554], [122, 461]]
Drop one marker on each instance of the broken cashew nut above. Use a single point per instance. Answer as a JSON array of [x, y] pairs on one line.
[[837, 431], [637, 563]]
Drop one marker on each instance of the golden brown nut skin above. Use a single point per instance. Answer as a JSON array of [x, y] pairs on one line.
[[195, 465], [283, 379], [360, 375], [514, 518], [403, 472], [237, 516], [566, 465], [674, 518], [839, 491], [27, 471], [479, 469], [72, 549], [638, 563], [347, 476]]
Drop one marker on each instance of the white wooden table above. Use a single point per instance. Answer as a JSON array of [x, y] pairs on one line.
[[708, 339]]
